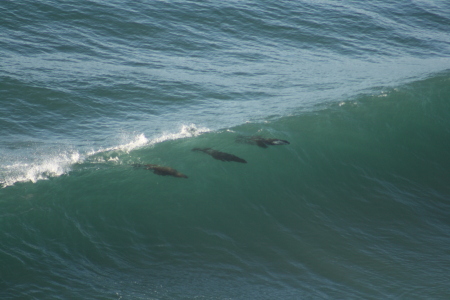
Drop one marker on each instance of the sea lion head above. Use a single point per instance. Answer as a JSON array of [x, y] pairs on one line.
[[277, 142]]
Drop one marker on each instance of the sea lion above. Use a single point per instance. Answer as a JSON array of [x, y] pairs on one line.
[[160, 170], [220, 155], [260, 141]]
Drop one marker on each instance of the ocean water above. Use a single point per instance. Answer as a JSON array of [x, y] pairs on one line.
[[356, 206]]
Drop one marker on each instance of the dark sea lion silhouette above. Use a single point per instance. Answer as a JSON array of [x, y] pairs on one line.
[[160, 170], [220, 155], [260, 141]]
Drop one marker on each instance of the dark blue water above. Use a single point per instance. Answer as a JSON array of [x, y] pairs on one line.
[[356, 206]]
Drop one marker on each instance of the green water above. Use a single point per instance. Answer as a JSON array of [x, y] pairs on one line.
[[356, 206], [359, 198]]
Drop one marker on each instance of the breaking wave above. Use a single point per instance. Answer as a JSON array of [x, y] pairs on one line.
[[42, 164]]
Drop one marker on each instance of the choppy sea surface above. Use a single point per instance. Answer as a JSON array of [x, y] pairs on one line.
[[356, 206]]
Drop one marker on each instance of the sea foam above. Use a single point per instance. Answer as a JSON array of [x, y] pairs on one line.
[[42, 165]]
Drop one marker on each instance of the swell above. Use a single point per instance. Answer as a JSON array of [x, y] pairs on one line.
[[405, 126], [359, 198]]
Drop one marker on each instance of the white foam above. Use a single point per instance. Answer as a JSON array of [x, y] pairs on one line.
[[131, 142], [42, 168], [42, 165], [136, 142], [186, 131]]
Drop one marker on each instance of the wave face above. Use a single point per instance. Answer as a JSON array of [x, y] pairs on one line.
[[356, 206]]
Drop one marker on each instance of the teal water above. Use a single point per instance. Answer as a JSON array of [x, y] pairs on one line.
[[357, 206]]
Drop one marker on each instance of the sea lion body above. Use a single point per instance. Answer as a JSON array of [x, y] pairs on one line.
[[260, 141], [220, 155], [160, 170]]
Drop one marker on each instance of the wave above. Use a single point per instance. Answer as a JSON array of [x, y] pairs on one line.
[[368, 175], [46, 163], [41, 168], [417, 109]]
